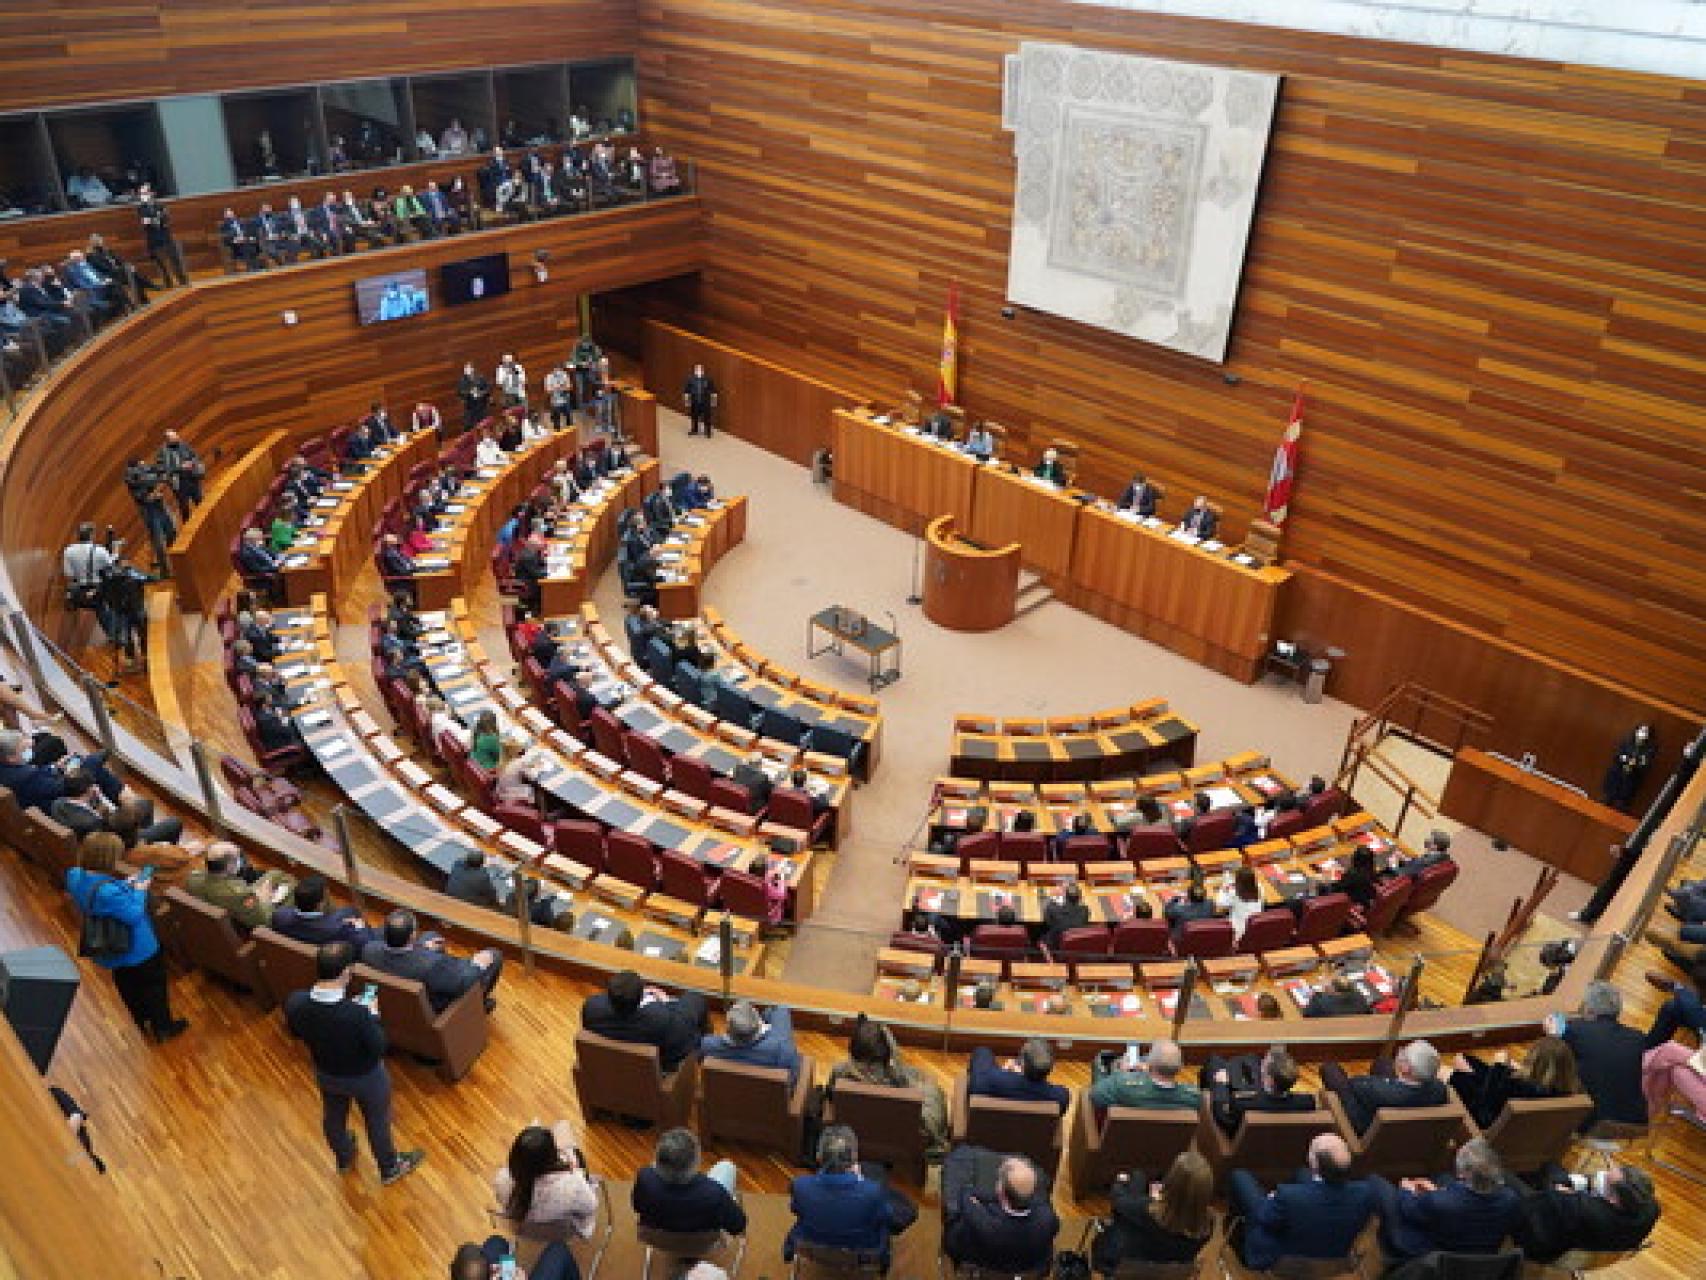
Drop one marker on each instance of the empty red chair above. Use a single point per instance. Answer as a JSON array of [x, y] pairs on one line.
[[1322, 918], [1289, 823], [524, 820], [922, 943], [791, 807], [686, 879], [1204, 939], [579, 841], [1429, 887], [1153, 842], [1142, 940], [1081, 946], [1267, 931], [1027, 847], [630, 857], [1008, 943], [979, 845], [645, 757], [279, 759], [691, 777], [1212, 831], [1082, 849], [1322, 809], [726, 793], [1389, 900], [533, 671], [566, 713], [607, 735], [742, 893]]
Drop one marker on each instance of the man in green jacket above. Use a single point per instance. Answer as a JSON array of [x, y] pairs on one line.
[[220, 884], [1151, 1084]]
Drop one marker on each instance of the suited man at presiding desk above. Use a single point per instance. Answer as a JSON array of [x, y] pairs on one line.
[[1411, 1080], [1023, 1080], [1470, 1212], [1049, 468], [1319, 1215], [1200, 521], [845, 1205], [1608, 1056], [1139, 497], [756, 1040], [980, 443], [629, 1011]]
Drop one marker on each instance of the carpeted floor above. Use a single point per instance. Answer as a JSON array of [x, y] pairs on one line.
[[804, 550]]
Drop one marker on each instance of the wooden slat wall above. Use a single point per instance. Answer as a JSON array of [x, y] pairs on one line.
[[1489, 270], [218, 363], [59, 52]]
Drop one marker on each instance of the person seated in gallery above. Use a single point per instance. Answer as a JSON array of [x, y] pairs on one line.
[[1410, 1079], [1237, 1086], [1124, 1080], [1021, 1079], [1339, 997], [634, 1013], [1484, 1086], [1139, 497]]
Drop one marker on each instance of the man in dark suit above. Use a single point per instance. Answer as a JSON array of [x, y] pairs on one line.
[[1412, 1081], [1007, 1226], [378, 424], [1068, 912], [239, 241], [1023, 1080], [1608, 1056], [1200, 520], [394, 562], [1339, 997], [255, 558], [307, 920], [329, 226], [1318, 1215], [275, 237], [1195, 905], [750, 774], [38, 304], [700, 397], [1471, 1212], [640, 626], [469, 881], [1139, 497], [672, 1195], [445, 977], [756, 1039], [1436, 848], [845, 1205], [629, 1011], [1242, 1085], [1614, 1211]]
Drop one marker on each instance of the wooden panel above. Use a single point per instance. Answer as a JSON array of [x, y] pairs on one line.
[[163, 367], [1009, 507], [900, 478], [967, 588], [57, 53], [770, 404], [1537, 816], [1489, 271]]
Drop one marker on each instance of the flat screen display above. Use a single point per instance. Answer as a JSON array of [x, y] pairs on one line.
[[394, 297], [475, 279]]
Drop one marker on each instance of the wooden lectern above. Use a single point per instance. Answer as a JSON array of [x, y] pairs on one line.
[[965, 587], [1553, 823]]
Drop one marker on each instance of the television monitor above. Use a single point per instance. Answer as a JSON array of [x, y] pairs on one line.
[[393, 297], [475, 279]]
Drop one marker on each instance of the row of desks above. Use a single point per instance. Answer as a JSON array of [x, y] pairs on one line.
[[437, 827], [709, 536], [604, 791], [1196, 600], [1117, 751]]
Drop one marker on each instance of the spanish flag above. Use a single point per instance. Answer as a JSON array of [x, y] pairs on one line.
[[948, 375], [1284, 474]]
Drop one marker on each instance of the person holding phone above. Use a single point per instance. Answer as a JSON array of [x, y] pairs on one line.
[[544, 1185], [348, 1047], [125, 945], [495, 1260]]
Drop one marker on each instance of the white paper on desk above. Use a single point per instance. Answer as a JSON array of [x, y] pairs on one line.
[[326, 504], [487, 473], [1213, 544], [1223, 798], [314, 719], [465, 695], [434, 563], [651, 951], [1189, 539], [343, 486], [295, 562], [336, 747], [292, 671], [1153, 522], [1245, 558], [455, 508]]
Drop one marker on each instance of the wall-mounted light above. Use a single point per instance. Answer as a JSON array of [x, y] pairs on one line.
[[289, 318]]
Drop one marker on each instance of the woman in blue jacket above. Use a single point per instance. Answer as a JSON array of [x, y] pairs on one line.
[[139, 972]]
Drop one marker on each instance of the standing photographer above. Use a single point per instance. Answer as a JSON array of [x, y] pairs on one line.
[[183, 471], [122, 608]]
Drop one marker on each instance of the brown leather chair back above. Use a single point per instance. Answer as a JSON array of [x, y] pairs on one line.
[[207, 939], [1273, 1145], [1401, 1140], [1533, 1132], [454, 1039], [755, 1104], [1126, 1138], [1035, 1130], [626, 1080], [286, 965], [889, 1124]]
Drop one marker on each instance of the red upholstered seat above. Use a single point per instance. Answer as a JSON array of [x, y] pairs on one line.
[[1153, 842], [1389, 900], [1142, 940], [1322, 918], [1205, 939], [1267, 931], [1429, 888], [630, 857]]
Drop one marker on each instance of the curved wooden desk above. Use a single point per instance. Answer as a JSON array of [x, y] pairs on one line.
[[967, 588]]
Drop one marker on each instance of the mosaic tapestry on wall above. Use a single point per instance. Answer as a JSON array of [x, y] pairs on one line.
[[1136, 184]]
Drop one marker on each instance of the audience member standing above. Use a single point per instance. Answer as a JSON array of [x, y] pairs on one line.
[[348, 1047], [163, 246], [116, 911], [183, 470], [700, 397], [475, 392]]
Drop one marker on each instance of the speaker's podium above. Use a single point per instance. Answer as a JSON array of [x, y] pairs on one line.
[[967, 587]]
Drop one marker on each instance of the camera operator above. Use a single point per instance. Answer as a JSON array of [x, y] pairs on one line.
[[121, 607], [148, 490]]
